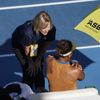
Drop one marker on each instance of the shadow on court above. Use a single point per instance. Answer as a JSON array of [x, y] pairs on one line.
[[6, 47]]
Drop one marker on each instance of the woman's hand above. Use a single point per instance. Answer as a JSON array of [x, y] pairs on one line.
[[27, 50]]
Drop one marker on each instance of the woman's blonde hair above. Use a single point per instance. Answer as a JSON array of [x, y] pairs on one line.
[[41, 21]]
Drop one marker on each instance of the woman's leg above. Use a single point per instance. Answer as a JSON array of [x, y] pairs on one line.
[[40, 80], [24, 64]]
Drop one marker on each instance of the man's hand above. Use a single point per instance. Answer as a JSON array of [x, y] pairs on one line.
[[75, 64]]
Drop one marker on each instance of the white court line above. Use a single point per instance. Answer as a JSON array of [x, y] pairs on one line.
[[43, 4], [19, 74], [79, 48], [88, 47]]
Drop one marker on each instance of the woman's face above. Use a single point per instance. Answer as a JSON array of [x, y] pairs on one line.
[[45, 30]]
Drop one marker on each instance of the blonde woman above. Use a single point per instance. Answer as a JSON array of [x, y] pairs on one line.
[[30, 41]]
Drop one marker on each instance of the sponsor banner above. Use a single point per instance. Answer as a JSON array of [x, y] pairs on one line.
[[91, 24]]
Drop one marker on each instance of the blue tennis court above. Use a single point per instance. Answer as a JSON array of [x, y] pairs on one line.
[[66, 14]]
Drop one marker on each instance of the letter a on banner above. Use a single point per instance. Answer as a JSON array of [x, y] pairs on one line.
[[91, 24]]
